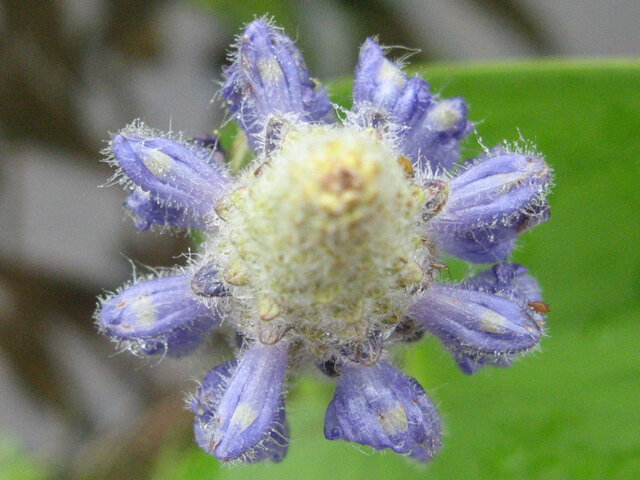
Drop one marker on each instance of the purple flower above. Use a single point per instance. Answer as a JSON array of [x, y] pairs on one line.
[[490, 204], [381, 407], [240, 407], [161, 315], [488, 320], [429, 129], [150, 207], [324, 250], [269, 78], [181, 179]]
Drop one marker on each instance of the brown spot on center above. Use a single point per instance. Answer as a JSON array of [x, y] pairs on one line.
[[340, 180]]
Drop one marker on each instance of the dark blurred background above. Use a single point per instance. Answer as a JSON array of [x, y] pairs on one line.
[[71, 71]]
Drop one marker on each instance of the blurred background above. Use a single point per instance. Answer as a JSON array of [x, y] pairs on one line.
[[71, 71]]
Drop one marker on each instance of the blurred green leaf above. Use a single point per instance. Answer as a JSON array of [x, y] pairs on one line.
[[15, 464], [585, 117], [571, 411]]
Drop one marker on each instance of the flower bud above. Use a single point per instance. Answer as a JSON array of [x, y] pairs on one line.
[[177, 175], [323, 233], [381, 407], [267, 78], [240, 409], [478, 327], [428, 130], [157, 316], [327, 242], [490, 205]]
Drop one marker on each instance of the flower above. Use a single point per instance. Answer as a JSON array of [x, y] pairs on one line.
[[325, 250]]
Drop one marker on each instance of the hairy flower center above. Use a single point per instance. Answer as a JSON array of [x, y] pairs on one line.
[[324, 240]]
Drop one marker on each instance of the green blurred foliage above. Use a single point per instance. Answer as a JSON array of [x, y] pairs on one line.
[[570, 411], [15, 464]]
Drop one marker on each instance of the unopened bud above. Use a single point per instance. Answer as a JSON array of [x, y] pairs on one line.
[[406, 165], [268, 308], [236, 273]]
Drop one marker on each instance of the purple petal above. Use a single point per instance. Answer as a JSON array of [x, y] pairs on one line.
[[204, 403], [428, 130], [511, 280], [381, 407], [478, 327], [276, 444], [508, 279], [269, 77], [482, 246], [158, 316], [436, 141], [490, 205], [147, 211], [503, 181], [240, 409], [177, 175], [206, 282], [382, 84]]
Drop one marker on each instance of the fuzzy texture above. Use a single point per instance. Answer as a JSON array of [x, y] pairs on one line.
[[479, 328], [324, 251], [174, 182], [147, 211], [325, 235]]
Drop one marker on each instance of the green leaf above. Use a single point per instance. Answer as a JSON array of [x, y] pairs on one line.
[[585, 117], [570, 411], [15, 464]]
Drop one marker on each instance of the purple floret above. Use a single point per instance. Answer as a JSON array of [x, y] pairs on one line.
[[158, 316], [176, 174], [490, 204], [484, 321], [381, 407], [269, 78], [240, 408], [425, 134]]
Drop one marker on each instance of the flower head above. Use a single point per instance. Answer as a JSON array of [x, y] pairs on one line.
[[326, 250]]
